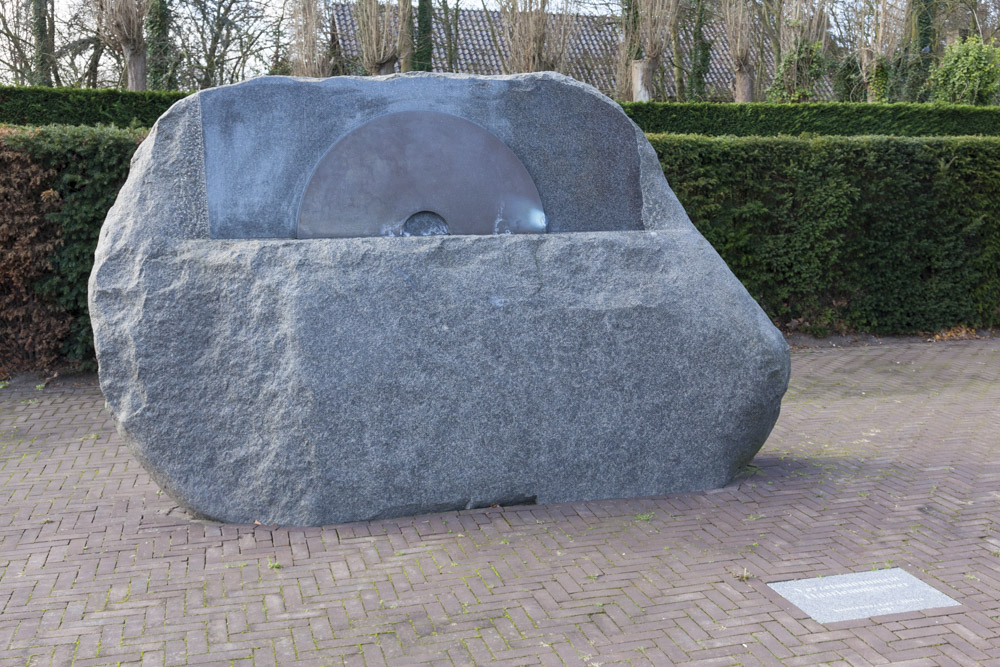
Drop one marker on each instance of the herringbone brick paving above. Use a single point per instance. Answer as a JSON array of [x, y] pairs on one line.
[[883, 456]]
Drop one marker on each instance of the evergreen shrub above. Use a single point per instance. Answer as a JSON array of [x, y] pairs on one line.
[[72, 175], [969, 73], [880, 234], [826, 118], [83, 106]]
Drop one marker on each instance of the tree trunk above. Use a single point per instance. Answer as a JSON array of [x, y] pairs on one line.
[[159, 49], [642, 79], [404, 45], [388, 67], [876, 81], [93, 65], [135, 67], [41, 58], [677, 58], [743, 83]]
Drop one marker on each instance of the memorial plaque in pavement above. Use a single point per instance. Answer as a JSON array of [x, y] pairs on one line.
[[846, 597]]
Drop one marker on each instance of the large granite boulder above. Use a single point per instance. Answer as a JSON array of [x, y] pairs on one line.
[[263, 376]]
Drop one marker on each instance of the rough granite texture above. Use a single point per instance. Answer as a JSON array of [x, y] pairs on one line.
[[328, 380]]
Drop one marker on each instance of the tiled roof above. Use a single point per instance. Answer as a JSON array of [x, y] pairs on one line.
[[591, 51]]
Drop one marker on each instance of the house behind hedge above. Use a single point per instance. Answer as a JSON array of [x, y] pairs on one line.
[[592, 43]]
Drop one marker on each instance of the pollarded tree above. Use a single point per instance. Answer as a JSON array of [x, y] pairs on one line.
[[805, 41], [658, 20], [629, 48], [404, 40], [305, 57], [121, 25], [529, 39], [377, 38], [739, 18]]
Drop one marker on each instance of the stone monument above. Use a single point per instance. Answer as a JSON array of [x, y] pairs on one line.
[[318, 301]]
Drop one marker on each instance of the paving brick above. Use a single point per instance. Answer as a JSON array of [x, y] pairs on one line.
[[97, 566]]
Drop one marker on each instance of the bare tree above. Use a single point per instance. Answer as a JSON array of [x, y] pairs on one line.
[[806, 22], [738, 16], [629, 48], [80, 59], [529, 38], [74, 52], [656, 19], [121, 24], [448, 18], [770, 21], [224, 41], [15, 42], [306, 58], [523, 24], [563, 27], [805, 41], [43, 43], [376, 36], [404, 43], [987, 16], [874, 28]]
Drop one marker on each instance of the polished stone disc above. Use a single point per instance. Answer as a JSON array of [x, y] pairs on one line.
[[418, 173]]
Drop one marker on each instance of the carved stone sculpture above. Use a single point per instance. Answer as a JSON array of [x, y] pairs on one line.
[[268, 357]]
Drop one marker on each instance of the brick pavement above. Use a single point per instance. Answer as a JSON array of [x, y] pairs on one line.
[[883, 456]]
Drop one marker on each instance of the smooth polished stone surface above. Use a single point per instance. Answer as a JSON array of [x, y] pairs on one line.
[[383, 178]]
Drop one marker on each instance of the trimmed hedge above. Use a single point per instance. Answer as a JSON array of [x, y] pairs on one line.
[[879, 234], [32, 328], [826, 118], [122, 108], [83, 106], [79, 171]]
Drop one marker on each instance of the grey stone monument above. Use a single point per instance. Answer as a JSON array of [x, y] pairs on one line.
[[318, 301]]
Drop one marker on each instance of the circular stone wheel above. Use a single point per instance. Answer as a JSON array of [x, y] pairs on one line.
[[377, 177]]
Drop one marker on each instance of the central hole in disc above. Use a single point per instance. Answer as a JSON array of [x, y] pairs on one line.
[[425, 223]]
